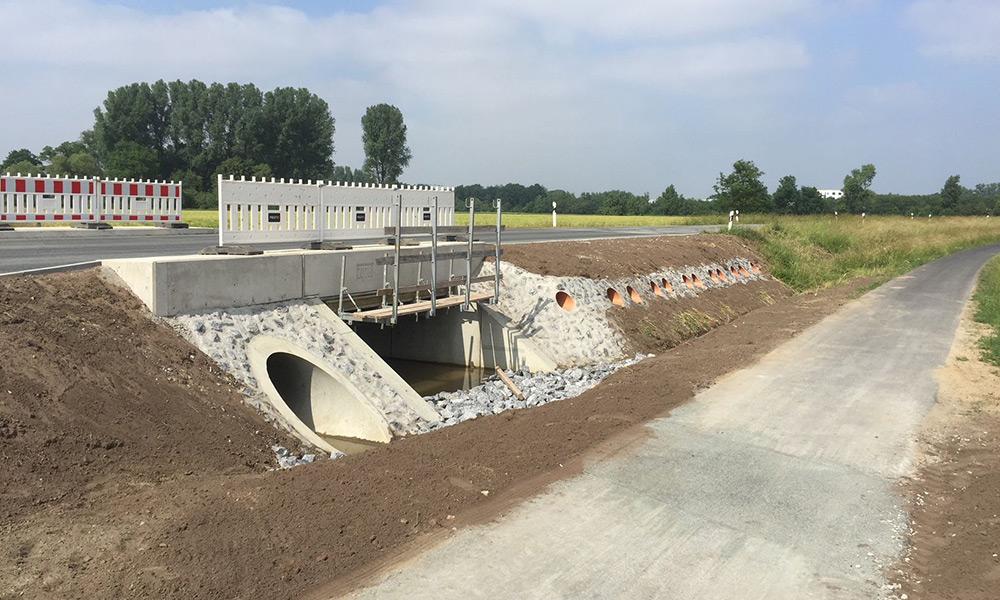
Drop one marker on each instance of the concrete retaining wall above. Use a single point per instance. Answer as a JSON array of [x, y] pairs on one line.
[[176, 285]]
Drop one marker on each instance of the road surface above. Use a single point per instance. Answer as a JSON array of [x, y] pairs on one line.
[[780, 481], [24, 249]]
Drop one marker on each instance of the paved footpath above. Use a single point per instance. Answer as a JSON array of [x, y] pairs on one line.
[[778, 482]]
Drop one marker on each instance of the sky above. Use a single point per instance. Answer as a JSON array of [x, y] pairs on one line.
[[582, 95]]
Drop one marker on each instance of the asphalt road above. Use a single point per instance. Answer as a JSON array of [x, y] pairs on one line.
[[25, 249], [780, 481]]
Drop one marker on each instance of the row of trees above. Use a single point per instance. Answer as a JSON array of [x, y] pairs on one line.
[[743, 189], [191, 131]]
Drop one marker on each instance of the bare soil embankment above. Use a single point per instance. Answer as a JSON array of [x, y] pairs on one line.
[[612, 258], [182, 510], [96, 398], [954, 498]]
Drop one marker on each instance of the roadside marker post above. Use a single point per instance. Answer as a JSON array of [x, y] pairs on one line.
[[553, 214]]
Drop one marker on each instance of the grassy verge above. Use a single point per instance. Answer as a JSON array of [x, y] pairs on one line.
[[987, 300], [814, 252], [210, 218]]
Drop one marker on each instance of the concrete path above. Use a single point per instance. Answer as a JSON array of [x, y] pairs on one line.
[[777, 482], [36, 248]]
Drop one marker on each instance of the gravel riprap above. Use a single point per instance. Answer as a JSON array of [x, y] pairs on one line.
[[494, 397]]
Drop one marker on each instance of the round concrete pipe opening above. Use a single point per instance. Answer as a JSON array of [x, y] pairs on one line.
[[721, 274], [615, 297], [712, 275], [755, 267], [565, 301], [321, 405], [697, 282], [653, 287], [687, 282], [743, 272], [665, 286], [633, 295]]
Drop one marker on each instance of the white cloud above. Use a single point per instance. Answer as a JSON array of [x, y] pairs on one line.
[[964, 30]]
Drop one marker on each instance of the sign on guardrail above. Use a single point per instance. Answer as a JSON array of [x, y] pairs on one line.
[[255, 211]]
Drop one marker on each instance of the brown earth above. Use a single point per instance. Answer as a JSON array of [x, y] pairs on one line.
[[226, 530], [623, 257], [97, 399], [954, 499], [661, 323]]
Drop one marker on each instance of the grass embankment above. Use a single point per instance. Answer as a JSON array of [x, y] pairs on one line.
[[210, 218], [814, 252], [987, 300]]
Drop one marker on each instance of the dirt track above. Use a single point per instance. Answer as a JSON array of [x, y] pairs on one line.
[[175, 518], [954, 500]]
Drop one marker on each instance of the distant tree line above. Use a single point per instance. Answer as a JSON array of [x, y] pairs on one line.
[[742, 189], [191, 131]]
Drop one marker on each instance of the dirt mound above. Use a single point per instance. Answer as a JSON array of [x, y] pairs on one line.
[[95, 397], [288, 534], [626, 256]]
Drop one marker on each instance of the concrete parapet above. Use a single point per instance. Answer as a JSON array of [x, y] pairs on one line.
[[185, 284]]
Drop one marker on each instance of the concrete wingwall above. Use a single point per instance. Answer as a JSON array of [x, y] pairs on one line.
[[482, 337]]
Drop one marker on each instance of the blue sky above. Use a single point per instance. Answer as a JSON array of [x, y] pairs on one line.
[[574, 94]]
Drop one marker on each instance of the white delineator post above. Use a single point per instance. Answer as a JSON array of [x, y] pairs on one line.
[[731, 214], [553, 214], [218, 191]]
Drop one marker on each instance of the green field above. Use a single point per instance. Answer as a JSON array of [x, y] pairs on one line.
[[987, 300], [813, 252]]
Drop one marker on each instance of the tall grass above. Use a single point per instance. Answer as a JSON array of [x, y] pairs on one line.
[[987, 299], [813, 252]]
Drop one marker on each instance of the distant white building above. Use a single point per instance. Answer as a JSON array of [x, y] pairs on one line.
[[831, 194]]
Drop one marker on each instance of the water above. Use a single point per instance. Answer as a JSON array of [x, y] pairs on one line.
[[429, 378]]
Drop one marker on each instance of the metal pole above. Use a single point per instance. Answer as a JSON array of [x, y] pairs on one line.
[[471, 202], [496, 265], [434, 265], [395, 276], [222, 222], [343, 274], [322, 214]]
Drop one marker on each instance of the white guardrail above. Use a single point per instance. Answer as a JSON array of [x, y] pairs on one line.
[[253, 211], [35, 198]]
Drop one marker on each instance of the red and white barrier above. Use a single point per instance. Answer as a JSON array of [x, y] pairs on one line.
[[36, 198]]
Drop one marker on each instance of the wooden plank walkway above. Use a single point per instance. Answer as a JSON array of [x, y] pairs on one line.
[[383, 313]]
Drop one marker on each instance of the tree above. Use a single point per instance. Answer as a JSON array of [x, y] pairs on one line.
[[25, 167], [787, 196], [742, 189], [346, 174], [242, 167], [131, 160], [19, 158], [384, 138], [857, 189], [810, 202], [951, 194], [668, 203]]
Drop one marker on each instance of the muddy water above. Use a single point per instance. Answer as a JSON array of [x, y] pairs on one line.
[[431, 378]]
